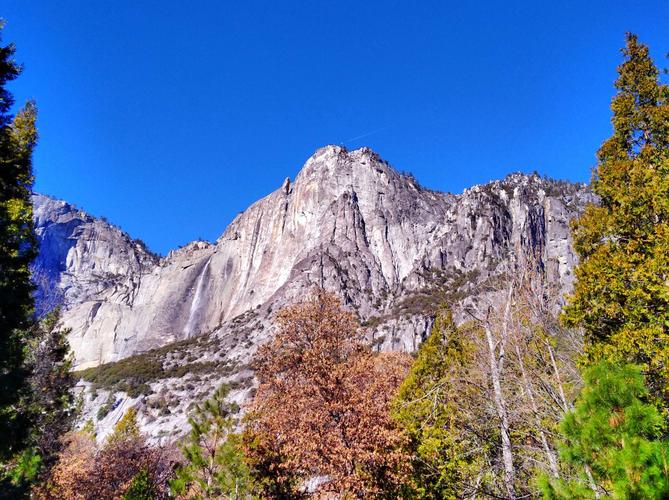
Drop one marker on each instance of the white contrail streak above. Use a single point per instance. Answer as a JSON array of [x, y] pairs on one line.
[[367, 134]]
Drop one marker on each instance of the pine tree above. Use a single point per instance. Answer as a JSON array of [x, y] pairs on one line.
[[611, 442], [620, 298], [18, 136], [49, 407], [427, 409], [215, 466], [52, 402], [141, 488]]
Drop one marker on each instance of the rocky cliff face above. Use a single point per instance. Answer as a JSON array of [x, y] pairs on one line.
[[82, 258], [389, 248]]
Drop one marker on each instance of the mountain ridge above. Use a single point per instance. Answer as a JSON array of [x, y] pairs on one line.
[[391, 250], [288, 182], [341, 204]]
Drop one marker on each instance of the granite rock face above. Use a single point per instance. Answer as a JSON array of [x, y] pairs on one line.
[[84, 259], [389, 248]]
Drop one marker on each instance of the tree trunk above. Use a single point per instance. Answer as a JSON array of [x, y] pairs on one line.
[[500, 405], [496, 361], [566, 407], [550, 455]]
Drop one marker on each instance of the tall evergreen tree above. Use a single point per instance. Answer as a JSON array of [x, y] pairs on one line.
[[49, 408], [18, 136], [620, 298], [428, 410], [53, 403], [611, 442]]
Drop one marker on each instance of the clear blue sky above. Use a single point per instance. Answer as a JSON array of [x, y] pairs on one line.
[[169, 117]]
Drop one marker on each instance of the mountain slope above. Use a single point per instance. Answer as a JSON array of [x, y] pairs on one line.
[[393, 251], [349, 223]]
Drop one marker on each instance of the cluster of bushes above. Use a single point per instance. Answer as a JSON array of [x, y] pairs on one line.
[[134, 374], [442, 287], [123, 466]]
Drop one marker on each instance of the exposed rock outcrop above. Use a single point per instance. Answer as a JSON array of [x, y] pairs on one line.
[[389, 248], [349, 222]]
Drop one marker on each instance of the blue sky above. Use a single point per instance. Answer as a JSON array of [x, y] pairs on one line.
[[170, 117]]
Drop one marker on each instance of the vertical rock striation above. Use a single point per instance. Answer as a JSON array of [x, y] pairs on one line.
[[349, 222]]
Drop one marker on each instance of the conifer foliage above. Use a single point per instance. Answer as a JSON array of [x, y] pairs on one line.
[[611, 440], [51, 406], [430, 406], [215, 466], [36, 406], [621, 298], [18, 136]]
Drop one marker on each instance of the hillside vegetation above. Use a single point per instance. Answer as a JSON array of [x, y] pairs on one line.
[[519, 398]]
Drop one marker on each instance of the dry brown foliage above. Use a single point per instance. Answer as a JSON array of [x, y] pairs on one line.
[[86, 472], [76, 461], [322, 406]]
